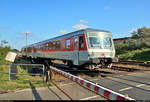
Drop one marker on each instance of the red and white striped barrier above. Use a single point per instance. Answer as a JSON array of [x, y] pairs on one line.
[[96, 88]]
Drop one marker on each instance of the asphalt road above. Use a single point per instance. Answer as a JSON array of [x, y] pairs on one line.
[[136, 85], [52, 93]]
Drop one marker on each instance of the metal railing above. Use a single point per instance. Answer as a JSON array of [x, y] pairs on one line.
[[21, 71]]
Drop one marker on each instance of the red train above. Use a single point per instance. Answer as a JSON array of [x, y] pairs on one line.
[[83, 47]]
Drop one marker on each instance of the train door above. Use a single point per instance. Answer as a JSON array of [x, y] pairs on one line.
[[76, 51]]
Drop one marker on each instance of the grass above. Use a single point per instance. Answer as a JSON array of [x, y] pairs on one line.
[[23, 82], [142, 54], [3, 53], [20, 84], [6, 84]]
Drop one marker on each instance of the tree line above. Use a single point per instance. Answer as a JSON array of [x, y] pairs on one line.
[[140, 38]]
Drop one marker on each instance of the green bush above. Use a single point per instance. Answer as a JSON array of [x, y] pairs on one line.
[[3, 53], [137, 52]]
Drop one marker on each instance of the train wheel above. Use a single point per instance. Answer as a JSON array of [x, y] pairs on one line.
[[103, 64], [91, 67], [69, 63], [110, 65]]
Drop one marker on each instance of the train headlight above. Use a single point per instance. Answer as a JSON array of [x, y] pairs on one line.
[[102, 54]]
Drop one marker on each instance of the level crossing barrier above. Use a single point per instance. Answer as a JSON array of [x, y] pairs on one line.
[[107, 93]]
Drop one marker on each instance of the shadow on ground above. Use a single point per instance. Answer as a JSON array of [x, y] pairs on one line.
[[35, 93]]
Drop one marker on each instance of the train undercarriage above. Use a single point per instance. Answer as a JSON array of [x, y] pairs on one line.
[[92, 64]]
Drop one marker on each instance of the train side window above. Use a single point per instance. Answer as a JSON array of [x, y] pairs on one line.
[[81, 42], [54, 44], [46, 46], [68, 43], [39, 47], [58, 44], [50, 45], [42, 47]]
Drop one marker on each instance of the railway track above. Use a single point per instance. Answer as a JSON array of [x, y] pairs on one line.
[[145, 64], [135, 86], [125, 69], [124, 80], [97, 72]]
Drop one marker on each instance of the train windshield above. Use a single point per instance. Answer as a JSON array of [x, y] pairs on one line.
[[99, 41], [95, 41], [107, 43]]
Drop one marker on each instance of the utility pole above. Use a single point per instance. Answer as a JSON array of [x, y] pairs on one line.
[[27, 32]]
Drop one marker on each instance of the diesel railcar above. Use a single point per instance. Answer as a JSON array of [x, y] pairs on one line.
[[83, 47]]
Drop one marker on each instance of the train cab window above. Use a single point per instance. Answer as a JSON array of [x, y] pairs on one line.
[[107, 42], [95, 42], [68, 44], [81, 42]]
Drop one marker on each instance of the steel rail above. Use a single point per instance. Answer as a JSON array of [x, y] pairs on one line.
[[124, 69], [62, 90], [55, 84]]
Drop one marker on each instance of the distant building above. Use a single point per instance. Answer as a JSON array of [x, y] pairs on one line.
[[120, 40]]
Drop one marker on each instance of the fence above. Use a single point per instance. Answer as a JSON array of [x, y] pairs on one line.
[[22, 73]]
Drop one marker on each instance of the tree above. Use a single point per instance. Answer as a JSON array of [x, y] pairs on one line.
[[143, 36], [15, 50], [134, 34], [141, 32], [3, 43]]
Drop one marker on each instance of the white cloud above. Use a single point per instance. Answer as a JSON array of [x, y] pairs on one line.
[[79, 26], [107, 8], [63, 31], [83, 21]]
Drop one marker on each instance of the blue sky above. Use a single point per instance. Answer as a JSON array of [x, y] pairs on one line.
[[50, 18]]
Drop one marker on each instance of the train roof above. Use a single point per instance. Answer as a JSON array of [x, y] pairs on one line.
[[69, 34]]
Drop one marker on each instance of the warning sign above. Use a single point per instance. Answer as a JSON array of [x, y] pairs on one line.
[[11, 56]]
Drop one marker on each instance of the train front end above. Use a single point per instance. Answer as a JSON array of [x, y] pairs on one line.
[[101, 49]]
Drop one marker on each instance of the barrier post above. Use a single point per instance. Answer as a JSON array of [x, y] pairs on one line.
[[9, 71], [50, 74], [43, 73]]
